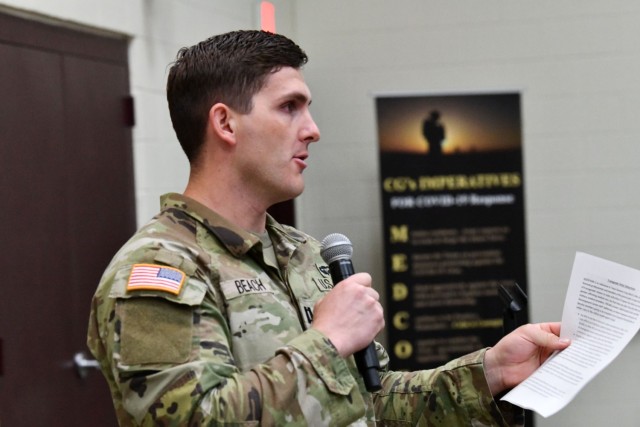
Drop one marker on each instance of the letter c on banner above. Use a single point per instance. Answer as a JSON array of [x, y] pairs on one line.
[[401, 320]]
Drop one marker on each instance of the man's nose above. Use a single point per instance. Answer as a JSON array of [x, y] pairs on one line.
[[311, 130]]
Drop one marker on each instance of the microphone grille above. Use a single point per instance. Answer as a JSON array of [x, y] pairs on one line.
[[336, 246]]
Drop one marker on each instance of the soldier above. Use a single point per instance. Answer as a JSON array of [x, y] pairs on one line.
[[434, 132], [215, 314]]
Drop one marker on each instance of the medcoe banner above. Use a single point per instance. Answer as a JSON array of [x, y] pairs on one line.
[[453, 216]]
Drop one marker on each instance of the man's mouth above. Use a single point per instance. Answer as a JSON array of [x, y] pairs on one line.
[[301, 159]]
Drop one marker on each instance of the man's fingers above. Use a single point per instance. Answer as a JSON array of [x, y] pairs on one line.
[[546, 335], [554, 327], [363, 279]]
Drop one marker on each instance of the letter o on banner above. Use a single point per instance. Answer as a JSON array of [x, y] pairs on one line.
[[403, 349]]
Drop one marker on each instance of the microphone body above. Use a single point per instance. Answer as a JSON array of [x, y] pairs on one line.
[[336, 252]]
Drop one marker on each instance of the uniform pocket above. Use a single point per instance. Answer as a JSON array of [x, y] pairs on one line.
[[154, 331]]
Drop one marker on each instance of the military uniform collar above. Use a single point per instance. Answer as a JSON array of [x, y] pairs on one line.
[[237, 240]]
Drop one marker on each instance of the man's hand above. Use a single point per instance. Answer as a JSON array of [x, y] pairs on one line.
[[350, 315], [518, 354]]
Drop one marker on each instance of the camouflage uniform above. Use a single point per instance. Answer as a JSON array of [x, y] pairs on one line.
[[232, 344]]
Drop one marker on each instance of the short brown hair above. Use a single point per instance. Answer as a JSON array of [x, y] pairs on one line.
[[228, 68]]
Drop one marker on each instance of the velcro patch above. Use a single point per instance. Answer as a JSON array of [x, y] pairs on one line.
[[155, 278]]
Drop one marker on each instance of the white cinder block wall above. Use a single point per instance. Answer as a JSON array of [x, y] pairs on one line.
[[576, 64]]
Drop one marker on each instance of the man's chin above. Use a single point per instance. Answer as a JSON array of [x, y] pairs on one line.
[[289, 196], [295, 192]]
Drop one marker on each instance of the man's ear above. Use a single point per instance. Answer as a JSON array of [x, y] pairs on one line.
[[222, 122]]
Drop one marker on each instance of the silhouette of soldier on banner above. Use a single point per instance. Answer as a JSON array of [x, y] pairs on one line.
[[433, 132]]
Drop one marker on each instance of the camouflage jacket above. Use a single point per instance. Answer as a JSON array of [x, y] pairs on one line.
[[193, 326]]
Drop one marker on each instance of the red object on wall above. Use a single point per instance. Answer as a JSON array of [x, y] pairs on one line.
[[268, 16]]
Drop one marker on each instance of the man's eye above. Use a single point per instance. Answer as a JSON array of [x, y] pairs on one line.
[[289, 106]]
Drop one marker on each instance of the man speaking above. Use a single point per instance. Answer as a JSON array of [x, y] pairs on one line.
[[202, 318]]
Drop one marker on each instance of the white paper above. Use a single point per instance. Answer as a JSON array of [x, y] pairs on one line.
[[601, 315]]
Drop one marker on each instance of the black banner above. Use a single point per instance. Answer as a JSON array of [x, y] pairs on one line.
[[453, 216]]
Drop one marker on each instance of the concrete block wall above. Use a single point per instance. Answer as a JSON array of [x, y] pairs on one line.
[[160, 164], [576, 67]]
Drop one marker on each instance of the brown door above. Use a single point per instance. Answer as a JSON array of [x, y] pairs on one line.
[[67, 204]]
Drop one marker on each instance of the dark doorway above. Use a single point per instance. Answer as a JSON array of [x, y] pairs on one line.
[[68, 204]]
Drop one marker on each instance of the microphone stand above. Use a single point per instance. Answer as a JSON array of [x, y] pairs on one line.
[[514, 311], [514, 314]]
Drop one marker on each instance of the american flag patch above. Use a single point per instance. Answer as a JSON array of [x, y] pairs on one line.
[[155, 278]]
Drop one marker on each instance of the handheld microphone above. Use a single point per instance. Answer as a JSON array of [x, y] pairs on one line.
[[336, 251]]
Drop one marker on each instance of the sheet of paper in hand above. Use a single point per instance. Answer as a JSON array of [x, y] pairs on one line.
[[601, 315]]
